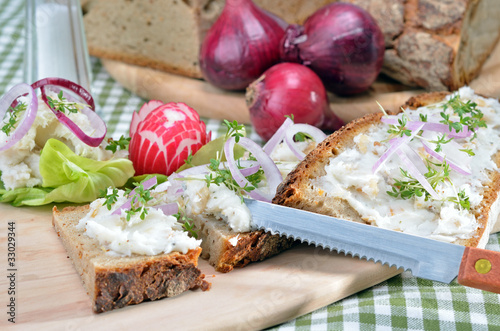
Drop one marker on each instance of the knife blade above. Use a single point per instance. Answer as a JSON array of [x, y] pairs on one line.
[[424, 257]]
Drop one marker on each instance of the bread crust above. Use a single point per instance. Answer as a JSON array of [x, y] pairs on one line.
[[115, 282], [296, 190], [226, 249]]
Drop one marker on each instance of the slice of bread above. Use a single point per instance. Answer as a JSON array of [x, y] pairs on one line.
[[303, 187], [227, 249], [115, 282]]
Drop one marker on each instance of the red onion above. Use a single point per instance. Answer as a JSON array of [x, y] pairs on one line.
[[240, 45], [98, 125], [312, 131], [289, 89], [147, 184], [10, 98], [342, 43], [271, 171]]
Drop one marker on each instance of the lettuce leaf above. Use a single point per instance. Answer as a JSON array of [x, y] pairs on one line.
[[68, 177], [209, 151]]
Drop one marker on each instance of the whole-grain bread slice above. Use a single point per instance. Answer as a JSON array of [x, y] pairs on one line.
[[298, 191], [227, 249], [115, 282]]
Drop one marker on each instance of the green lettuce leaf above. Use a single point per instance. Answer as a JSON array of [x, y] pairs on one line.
[[209, 151], [68, 177]]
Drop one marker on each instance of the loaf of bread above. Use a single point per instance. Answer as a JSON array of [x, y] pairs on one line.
[[114, 281], [338, 178], [434, 44]]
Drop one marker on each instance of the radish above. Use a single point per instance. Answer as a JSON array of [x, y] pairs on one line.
[[163, 136]]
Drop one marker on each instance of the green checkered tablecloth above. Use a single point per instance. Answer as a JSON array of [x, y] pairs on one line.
[[401, 303]]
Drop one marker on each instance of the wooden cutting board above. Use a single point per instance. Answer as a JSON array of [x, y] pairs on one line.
[[212, 102], [49, 294]]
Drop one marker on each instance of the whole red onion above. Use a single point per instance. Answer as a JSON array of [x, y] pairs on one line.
[[342, 43], [288, 89], [240, 45]]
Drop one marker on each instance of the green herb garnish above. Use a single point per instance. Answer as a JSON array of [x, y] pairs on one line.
[[138, 202], [63, 105], [13, 117], [120, 144], [110, 198], [437, 173], [187, 223], [467, 112]]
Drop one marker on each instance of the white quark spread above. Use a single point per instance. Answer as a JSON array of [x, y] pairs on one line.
[[155, 234], [219, 201], [349, 176], [19, 164], [225, 204]]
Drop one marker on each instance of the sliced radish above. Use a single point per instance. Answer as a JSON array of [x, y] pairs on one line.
[[164, 138]]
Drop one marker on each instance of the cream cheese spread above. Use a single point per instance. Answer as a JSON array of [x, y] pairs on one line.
[[19, 164], [225, 204], [349, 176], [153, 235]]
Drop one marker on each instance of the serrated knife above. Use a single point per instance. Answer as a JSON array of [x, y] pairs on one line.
[[425, 258]]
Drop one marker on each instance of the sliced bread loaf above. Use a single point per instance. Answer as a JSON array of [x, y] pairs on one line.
[[118, 281], [338, 178]]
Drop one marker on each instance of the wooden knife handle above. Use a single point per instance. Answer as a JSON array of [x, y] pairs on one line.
[[480, 268]]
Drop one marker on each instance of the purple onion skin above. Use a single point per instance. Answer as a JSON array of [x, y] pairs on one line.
[[240, 45], [342, 43]]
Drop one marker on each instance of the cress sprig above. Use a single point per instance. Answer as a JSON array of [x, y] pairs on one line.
[[138, 202], [13, 117], [109, 198], [121, 144], [467, 112], [187, 223], [437, 173], [64, 105]]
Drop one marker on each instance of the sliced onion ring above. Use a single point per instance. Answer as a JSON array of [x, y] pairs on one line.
[[77, 89], [98, 124], [169, 208], [271, 171], [10, 98], [395, 144], [313, 131], [249, 168], [430, 126], [412, 169], [455, 166], [128, 204], [277, 137]]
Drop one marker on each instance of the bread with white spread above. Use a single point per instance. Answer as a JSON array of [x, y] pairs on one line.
[[114, 281], [337, 178]]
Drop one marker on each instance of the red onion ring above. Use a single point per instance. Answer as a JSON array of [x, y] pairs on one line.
[[313, 131], [169, 208], [431, 126], [412, 169], [441, 157], [77, 89], [271, 171], [249, 168], [395, 144], [10, 98], [98, 124], [277, 137], [128, 204]]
